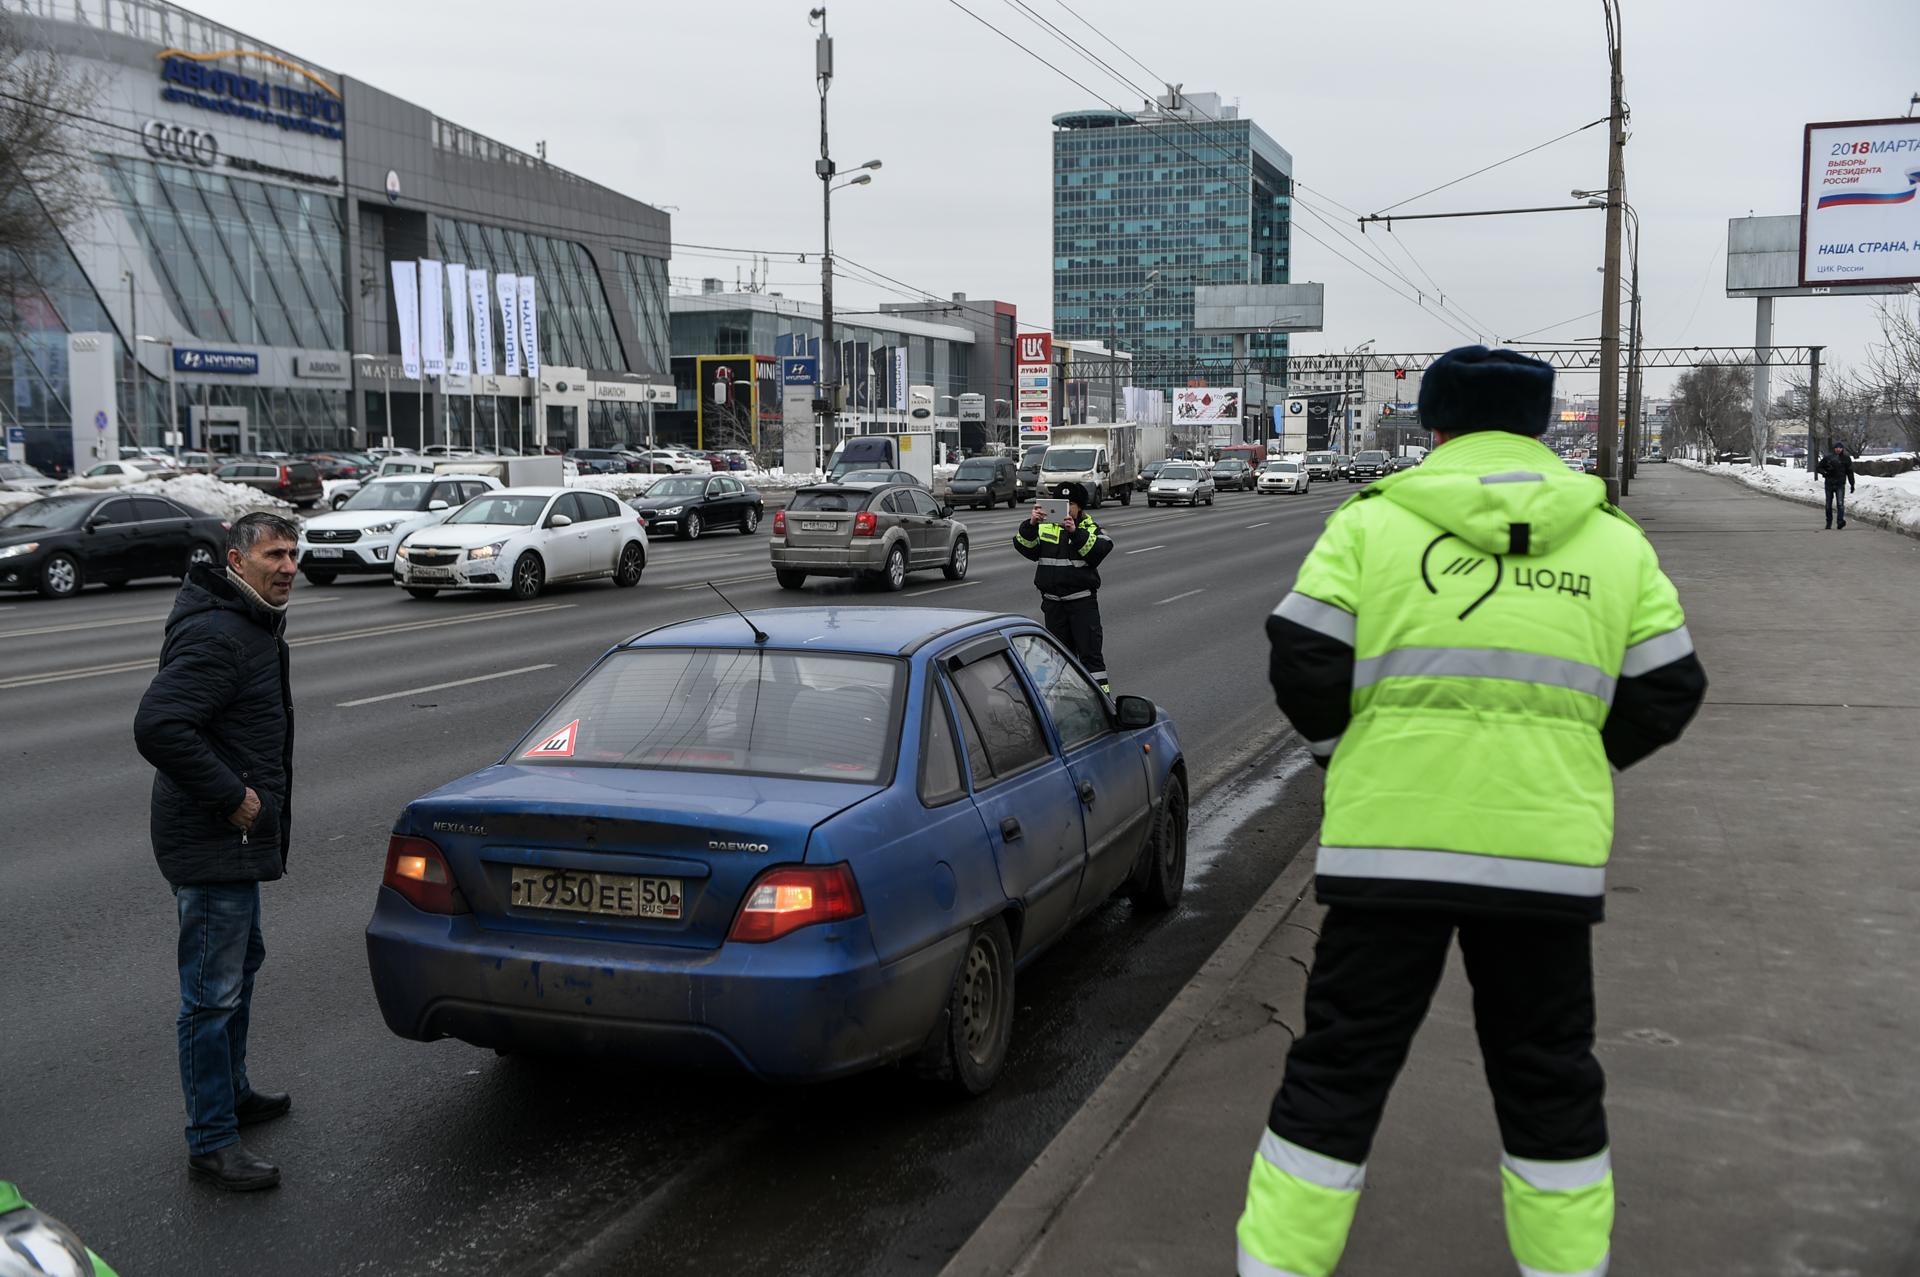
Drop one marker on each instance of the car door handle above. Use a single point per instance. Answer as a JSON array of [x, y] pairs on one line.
[[1087, 793], [1009, 830]]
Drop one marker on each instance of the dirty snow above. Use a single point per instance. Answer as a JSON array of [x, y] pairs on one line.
[[202, 492], [1895, 499]]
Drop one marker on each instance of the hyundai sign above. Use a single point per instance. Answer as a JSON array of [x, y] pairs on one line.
[[799, 370], [231, 363]]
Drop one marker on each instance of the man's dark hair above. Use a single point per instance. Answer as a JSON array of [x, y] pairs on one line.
[[250, 530]]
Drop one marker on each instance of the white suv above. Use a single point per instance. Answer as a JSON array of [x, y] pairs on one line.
[[519, 539], [360, 537]]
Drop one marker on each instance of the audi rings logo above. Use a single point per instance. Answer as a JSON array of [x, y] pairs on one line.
[[165, 141]]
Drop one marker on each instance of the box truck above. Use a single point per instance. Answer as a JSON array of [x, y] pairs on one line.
[[1102, 459]]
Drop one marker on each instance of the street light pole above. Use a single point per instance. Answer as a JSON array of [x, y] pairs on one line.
[[1629, 463], [1610, 271], [173, 410], [823, 168]]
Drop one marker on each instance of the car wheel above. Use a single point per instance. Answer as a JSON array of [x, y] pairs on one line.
[[789, 579], [633, 561], [1126, 496], [750, 522], [1012, 502], [1209, 498], [690, 530], [319, 578], [1162, 872], [529, 576], [894, 575], [421, 591], [971, 1047], [1151, 503], [338, 501], [956, 568], [60, 576]]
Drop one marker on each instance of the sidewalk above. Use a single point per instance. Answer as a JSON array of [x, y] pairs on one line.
[[1758, 977]]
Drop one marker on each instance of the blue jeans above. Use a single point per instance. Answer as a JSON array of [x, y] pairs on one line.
[[220, 951], [1836, 504]]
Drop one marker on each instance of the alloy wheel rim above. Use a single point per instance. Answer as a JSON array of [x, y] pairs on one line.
[[960, 557], [897, 568], [980, 999], [201, 554], [1177, 825], [630, 560], [693, 525], [61, 574], [753, 520], [527, 573]]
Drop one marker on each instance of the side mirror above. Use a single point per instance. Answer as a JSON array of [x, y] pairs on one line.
[[97, 521], [945, 511], [1136, 712], [436, 505], [560, 521]]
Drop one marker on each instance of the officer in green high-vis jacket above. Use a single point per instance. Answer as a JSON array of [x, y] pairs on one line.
[[37, 1245], [1469, 648]]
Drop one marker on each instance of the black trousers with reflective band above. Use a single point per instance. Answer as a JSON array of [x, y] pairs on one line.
[[1374, 973], [1076, 623]]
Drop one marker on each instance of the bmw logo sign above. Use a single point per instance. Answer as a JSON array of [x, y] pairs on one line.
[[393, 187]]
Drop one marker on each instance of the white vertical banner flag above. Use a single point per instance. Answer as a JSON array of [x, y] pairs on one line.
[[406, 312], [900, 377], [508, 287], [529, 327], [433, 318], [460, 358], [482, 322]]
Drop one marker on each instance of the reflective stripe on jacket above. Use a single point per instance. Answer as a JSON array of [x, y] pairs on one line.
[[1066, 560], [1467, 647]]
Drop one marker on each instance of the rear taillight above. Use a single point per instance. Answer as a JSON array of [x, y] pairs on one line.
[[785, 900], [866, 523], [779, 523], [417, 870], [286, 475]]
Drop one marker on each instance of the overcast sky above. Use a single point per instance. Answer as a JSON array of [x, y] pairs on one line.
[[711, 109]]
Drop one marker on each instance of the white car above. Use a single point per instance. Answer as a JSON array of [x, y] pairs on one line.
[[1282, 476], [682, 461], [520, 539], [409, 464], [145, 468], [1181, 483], [360, 537]]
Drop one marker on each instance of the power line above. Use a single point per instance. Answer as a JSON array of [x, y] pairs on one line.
[[1109, 39], [1496, 164]]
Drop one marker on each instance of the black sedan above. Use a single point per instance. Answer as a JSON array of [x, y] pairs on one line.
[[1232, 472], [694, 503], [63, 542]]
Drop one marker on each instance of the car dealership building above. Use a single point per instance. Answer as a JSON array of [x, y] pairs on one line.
[[238, 257]]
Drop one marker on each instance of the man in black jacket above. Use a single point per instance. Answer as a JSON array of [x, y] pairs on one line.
[[1067, 573], [1837, 469], [217, 725]]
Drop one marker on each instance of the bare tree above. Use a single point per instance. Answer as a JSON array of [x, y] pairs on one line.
[[1709, 408], [45, 187], [1893, 363], [1847, 412]]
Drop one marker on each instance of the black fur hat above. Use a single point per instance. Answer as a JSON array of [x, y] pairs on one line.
[[1472, 388]]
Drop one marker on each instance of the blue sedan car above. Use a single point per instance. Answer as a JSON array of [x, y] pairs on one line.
[[801, 843]]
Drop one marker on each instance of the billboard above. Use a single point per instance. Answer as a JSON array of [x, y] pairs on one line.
[[1859, 212], [1197, 405]]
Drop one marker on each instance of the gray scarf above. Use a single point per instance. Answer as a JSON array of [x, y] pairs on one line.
[[254, 594]]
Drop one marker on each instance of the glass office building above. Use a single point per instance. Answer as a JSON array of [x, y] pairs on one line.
[[1187, 189], [249, 207]]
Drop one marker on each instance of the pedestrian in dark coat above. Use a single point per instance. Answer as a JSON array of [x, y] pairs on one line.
[[217, 725], [1837, 469], [1067, 557]]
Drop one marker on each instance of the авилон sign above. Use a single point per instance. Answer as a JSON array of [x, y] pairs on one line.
[[240, 363], [194, 83]]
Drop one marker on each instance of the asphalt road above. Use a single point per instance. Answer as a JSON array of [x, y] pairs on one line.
[[409, 1157]]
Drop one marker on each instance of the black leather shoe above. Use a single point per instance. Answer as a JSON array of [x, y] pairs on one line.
[[262, 1106], [234, 1169]]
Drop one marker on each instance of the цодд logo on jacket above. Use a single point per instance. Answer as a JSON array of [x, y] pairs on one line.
[[1462, 570]]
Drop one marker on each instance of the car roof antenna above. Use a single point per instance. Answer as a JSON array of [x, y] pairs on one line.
[[759, 635]]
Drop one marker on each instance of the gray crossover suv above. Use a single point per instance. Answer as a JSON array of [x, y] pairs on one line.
[[880, 531]]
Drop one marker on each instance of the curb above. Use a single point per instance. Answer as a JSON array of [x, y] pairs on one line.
[[1010, 1233], [1869, 517]]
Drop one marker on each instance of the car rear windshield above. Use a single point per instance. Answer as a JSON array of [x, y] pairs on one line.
[[830, 501], [1058, 459], [819, 715]]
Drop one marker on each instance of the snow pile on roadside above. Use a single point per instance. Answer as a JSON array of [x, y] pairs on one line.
[[208, 495], [14, 500], [1895, 500]]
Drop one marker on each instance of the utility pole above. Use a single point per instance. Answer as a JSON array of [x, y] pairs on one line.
[[1813, 404], [1630, 462], [1610, 272], [823, 168]]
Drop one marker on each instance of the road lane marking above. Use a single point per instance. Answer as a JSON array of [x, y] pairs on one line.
[[438, 687], [152, 662], [730, 580], [1263, 523], [76, 626], [1143, 549], [957, 585], [1176, 598]]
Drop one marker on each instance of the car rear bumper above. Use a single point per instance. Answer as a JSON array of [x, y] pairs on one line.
[[815, 1004], [830, 560]]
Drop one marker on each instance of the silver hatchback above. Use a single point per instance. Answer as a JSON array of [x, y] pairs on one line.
[[879, 531]]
